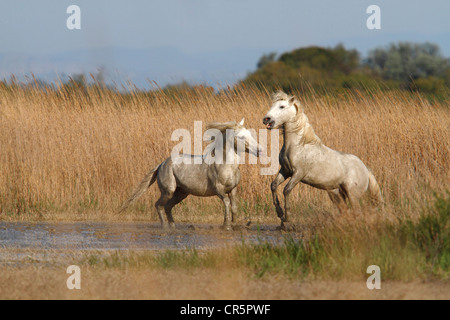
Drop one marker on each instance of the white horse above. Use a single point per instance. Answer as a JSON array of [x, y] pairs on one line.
[[304, 158], [215, 175]]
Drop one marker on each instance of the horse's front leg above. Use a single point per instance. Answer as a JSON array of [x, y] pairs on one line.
[[296, 177], [227, 203], [232, 196], [273, 187]]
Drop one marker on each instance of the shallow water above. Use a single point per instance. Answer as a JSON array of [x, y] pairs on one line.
[[125, 235]]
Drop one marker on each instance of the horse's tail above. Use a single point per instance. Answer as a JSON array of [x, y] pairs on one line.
[[148, 180], [374, 190]]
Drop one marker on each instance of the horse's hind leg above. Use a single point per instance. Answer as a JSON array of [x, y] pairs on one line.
[[167, 185], [354, 202], [338, 199], [162, 201], [349, 194], [177, 197]]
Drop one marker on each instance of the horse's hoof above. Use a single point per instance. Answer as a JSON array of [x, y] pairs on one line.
[[287, 226], [226, 227], [168, 226]]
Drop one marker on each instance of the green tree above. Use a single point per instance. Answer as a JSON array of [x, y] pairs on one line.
[[401, 65], [265, 59], [405, 61], [337, 59], [314, 67]]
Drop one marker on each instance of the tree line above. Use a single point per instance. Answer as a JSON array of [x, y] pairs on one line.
[[403, 65]]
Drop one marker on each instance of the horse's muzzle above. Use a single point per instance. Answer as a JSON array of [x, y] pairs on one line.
[[268, 122]]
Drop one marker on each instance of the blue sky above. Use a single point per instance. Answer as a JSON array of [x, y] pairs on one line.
[[212, 41]]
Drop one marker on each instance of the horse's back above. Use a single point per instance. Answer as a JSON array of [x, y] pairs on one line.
[[328, 169], [193, 178]]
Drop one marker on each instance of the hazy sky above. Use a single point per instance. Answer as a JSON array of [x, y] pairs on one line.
[[36, 30]]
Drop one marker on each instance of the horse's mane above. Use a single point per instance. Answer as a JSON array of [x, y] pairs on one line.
[[280, 95], [223, 126], [308, 136]]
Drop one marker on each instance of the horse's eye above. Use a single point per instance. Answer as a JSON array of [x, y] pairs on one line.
[[281, 107]]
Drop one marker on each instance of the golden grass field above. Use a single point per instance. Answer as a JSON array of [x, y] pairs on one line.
[[75, 154]]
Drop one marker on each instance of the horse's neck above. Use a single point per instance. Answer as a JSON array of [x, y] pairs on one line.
[[229, 164], [230, 153], [299, 132], [228, 156]]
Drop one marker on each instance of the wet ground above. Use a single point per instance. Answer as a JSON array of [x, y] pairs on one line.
[[27, 239], [126, 235]]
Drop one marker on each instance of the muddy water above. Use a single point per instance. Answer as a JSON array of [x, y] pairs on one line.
[[126, 235]]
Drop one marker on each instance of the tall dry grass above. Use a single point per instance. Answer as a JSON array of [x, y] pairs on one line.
[[71, 152]]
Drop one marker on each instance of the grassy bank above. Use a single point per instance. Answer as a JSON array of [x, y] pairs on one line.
[[405, 250], [328, 263]]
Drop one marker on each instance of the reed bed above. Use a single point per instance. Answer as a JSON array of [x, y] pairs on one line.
[[71, 152]]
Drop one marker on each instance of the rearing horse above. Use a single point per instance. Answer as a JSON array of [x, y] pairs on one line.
[[304, 158]]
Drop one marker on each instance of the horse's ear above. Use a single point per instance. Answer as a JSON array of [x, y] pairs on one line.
[[242, 122], [292, 101]]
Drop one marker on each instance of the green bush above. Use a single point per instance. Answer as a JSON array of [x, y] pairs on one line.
[[295, 258], [430, 234], [428, 85]]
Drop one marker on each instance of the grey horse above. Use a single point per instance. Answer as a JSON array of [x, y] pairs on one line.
[[217, 174], [304, 158]]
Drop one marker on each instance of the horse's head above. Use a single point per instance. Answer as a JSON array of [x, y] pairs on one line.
[[284, 109], [244, 136], [238, 137]]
